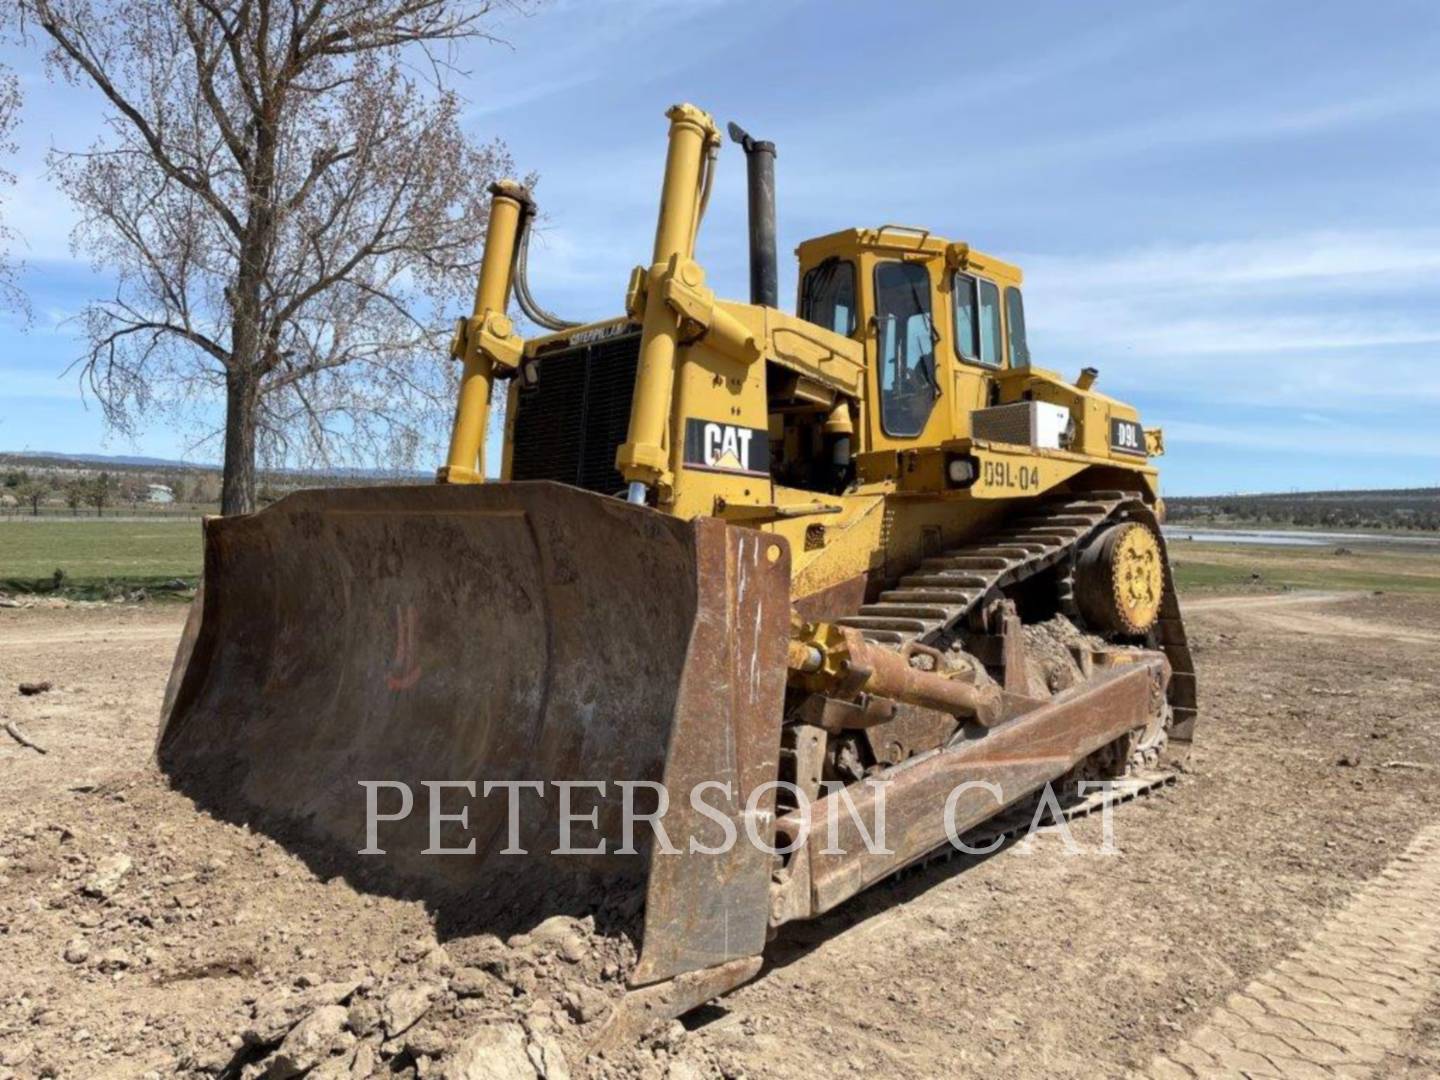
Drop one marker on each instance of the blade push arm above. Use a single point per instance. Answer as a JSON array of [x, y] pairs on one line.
[[486, 342], [642, 459]]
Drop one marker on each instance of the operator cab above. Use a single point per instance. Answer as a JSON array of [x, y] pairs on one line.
[[941, 323]]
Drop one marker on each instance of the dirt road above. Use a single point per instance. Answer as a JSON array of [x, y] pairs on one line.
[[137, 934]]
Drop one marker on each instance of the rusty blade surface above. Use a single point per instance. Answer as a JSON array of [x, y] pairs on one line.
[[518, 632], [725, 744]]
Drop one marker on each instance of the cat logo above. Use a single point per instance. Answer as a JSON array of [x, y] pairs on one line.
[[719, 447]]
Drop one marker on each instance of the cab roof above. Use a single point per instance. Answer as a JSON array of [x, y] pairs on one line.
[[907, 239]]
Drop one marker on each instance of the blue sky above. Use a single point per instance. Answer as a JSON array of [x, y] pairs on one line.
[[1231, 209]]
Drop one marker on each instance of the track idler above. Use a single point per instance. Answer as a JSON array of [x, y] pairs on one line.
[[1120, 580]]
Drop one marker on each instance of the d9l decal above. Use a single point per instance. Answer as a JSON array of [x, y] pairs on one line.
[[1126, 437]]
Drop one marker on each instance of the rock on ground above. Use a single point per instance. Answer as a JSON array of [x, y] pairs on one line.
[[109, 873], [495, 1052], [311, 1041], [402, 1008], [277, 1012]]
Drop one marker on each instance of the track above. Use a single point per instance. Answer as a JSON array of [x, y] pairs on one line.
[[948, 587], [1025, 817], [932, 602], [1018, 821], [945, 589]]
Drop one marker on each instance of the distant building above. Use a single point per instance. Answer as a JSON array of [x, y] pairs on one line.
[[161, 493]]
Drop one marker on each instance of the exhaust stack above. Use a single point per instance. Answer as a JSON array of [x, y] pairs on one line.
[[760, 177]]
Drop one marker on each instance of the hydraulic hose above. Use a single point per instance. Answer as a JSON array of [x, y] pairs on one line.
[[523, 296]]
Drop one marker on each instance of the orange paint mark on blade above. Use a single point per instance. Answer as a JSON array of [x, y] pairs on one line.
[[406, 669]]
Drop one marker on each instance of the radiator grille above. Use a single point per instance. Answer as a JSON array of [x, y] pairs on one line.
[[569, 425], [1013, 424]]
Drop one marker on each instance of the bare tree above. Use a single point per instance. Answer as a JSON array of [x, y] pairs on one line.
[[288, 199], [100, 493], [133, 490], [34, 492], [11, 296], [76, 492]]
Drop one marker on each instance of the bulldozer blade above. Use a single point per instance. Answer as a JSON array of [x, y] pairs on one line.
[[355, 644]]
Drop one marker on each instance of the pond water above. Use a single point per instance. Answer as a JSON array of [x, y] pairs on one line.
[[1291, 538]]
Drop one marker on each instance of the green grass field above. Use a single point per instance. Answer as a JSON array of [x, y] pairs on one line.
[[98, 556], [109, 557], [1201, 567]]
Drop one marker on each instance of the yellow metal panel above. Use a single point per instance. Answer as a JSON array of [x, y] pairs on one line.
[[961, 256], [801, 346], [829, 550], [711, 386]]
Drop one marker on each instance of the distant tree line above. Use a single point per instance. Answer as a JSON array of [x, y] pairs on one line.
[[52, 485], [37, 490], [1404, 509]]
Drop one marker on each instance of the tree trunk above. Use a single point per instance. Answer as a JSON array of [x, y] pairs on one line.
[[237, 484]]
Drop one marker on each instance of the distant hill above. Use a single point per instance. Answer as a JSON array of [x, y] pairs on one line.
[[43, 459], [103, 461], [1394, 508]]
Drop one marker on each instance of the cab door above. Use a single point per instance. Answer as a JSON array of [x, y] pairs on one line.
[[907, 370]]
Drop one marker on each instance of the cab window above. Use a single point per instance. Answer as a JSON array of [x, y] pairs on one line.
[[905, 344], [827, 296], [990, 341], [967, 318], [977, 320], [1015, 323]]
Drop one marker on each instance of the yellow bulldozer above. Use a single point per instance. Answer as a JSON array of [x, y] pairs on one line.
[[743, 572]]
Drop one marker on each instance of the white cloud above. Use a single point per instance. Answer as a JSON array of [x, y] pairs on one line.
[[38, 384], [1303, 320], [1018, 145], [42, 217], [1142, 325], [1362, 441], [1343, 258], [573, 43], [1253, 121]]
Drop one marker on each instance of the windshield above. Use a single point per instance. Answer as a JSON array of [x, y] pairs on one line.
[[905, 341]]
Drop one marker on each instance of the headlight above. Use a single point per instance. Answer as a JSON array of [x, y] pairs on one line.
[[961, 471]]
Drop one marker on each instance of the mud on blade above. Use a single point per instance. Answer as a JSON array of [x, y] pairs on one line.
[[510, 632]]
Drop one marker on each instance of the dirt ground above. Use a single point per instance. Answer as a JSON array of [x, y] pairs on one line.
[[140, 937]]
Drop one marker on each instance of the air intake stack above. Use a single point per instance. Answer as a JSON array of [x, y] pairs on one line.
[[760, 177]]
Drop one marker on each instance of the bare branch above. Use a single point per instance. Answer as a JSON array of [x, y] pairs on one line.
[[287, 209], [73, 42], [11, 295]]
